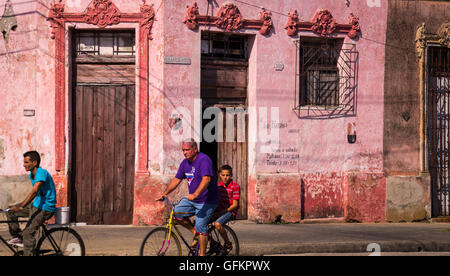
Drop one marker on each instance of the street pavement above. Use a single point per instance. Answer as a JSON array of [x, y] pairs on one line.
[[284, 239]]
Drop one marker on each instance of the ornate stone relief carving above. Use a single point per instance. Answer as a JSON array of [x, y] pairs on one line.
[[190, 16], [420, 40], [354, 21], [291, 24], [266, 17], [228, 18], [54, 16], [148, 18], [102, 13], [323, 24], [423, 38], [8, 21]]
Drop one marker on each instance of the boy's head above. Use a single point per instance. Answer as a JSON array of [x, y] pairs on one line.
[[226, 173], [31, 159]]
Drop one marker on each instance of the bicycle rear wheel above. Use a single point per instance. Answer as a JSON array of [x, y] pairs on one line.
[[216, 242], [61, 241], [156, 244]]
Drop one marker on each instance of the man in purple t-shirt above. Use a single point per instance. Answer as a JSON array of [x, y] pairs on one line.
[[203, 196]]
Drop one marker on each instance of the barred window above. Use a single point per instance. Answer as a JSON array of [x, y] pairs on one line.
[[325, 77]]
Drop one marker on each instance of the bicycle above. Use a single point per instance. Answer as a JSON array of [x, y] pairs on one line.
[[56, 240], [163, 241]]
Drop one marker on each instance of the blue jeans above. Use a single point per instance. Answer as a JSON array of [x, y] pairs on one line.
[[202, 212], [223, 219]]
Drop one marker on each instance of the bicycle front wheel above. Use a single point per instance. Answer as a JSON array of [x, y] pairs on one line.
[[61, 241], [156, 243], [216, 245]]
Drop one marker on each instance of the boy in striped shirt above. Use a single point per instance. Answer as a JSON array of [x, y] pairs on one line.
[[229, 195]]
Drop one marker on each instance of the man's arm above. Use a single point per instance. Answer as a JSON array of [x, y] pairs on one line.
[[201, 188], [172, 186], [29, 197]]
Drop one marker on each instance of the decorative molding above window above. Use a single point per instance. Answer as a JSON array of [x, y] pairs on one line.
[[323, 24], [228, 18], [8, 21], [424, 38], [101, 13]]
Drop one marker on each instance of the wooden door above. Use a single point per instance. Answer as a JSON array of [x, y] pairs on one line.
[[234, 153], [224, 84], [104, 151], [103, 126]]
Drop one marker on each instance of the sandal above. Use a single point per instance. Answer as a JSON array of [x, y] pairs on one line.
[[194, 241], [228, 246]]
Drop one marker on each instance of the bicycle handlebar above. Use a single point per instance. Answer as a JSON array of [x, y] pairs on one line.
[[167, 202], [164, 198]]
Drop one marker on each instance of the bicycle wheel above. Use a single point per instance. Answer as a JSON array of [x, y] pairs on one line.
[[61, 241], [216, 242], [156, 244]]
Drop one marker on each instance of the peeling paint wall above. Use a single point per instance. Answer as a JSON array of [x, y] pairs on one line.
[[408, 184], [25, 95], [304, 175], [312, 173]]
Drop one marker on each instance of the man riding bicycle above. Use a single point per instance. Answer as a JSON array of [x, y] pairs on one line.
[[203, 196], [39, 205]]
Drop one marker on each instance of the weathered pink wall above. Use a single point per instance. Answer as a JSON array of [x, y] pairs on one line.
[[322, 175], [26, 82], [316, 152]]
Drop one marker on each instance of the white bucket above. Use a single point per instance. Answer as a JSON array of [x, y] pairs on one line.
[[62, 215]]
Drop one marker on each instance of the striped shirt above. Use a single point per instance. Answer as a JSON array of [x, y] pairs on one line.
[[228, 193]]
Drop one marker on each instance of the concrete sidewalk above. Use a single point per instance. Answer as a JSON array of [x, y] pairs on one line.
[[270, 239]]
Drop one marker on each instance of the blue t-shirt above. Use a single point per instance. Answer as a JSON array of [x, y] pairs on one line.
[[194, 172], [46, 197]]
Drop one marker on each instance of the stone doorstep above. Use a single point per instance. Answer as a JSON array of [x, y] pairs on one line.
[[323, 220], [440, 220]]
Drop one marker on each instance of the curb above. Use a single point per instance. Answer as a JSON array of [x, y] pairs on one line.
[[344, 247]]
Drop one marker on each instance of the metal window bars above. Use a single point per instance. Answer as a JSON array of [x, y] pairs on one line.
[[438, 101], [325, 78]]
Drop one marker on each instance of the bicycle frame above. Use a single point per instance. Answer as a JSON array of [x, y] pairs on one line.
[[171, 225], [43, 232], [13, 249], [213, 236]]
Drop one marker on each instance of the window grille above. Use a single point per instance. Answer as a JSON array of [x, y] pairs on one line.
[[438, 106], [326, 83]]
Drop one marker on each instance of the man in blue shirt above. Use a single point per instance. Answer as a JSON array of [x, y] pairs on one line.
[[43, 207]]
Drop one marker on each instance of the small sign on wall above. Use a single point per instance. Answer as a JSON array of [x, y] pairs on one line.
[[279, 66], [177, 60], [28, 112]]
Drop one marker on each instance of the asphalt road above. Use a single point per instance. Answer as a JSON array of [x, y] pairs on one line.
[[274, 239]]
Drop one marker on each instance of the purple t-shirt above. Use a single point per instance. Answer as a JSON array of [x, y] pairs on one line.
[[194, 173]]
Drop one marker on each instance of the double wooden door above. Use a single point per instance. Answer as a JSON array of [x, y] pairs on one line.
[[103, 153]]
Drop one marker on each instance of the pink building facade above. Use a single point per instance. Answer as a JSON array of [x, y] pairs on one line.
[[312, 139]]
